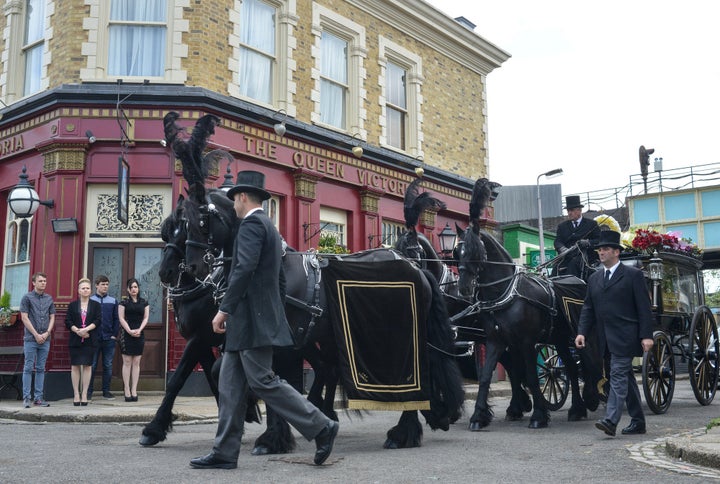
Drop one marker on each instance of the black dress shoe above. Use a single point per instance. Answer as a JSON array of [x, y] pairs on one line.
[[606, 426], [211, 461], [634, 428], [324, 442]]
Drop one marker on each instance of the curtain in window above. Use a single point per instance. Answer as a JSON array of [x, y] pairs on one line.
[[33, 45], [395, 93], [137, 50], [17, 262], [257, 50], [333, 69]]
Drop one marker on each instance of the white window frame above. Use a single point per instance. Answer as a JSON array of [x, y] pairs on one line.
[[391, 231], [97, 24], [12, 79], [412, 63], [18, 289], [284, 88], [325, 19], [271, 207], [333, 221]]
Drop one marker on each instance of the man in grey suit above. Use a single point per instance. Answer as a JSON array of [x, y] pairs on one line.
[[252, 316], [617, 306]]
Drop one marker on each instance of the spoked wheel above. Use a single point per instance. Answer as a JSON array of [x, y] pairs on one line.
[[552, 377], [658, 372], [703, 357]]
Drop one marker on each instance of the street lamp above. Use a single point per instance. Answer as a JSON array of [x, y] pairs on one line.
[[24, 200], [549, 174], [447, 239]]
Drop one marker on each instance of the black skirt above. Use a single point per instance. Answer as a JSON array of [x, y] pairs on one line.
[[82, 355], [130, 345]]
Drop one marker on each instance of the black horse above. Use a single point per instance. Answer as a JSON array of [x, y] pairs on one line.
[[516, 310], [203, 233]]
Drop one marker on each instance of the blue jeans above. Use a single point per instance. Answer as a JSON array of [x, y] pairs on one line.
[[107, 348], [35, 358]]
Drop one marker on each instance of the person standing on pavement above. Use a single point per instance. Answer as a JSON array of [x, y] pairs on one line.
[[253, 318], [617, 305], [576, 230], [82, 320], [37, 311], [134, 313], [109, 327]]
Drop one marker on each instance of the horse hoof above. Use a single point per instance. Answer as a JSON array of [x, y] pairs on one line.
[[513, 418], [574, 417], [537, 424], [148, 440], [390, 444], [261, 450], [476, 426]]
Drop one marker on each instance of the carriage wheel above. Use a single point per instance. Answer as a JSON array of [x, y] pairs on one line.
[[552, 377], [658, 373], [704, 354]]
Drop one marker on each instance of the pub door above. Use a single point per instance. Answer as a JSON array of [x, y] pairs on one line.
[[120, 261]]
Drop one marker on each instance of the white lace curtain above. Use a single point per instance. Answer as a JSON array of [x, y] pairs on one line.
[[137, 38], [333, 69], [257, 53]]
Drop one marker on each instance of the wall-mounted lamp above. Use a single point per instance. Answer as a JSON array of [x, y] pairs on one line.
[[419, 171], [64, 225], [357, 149], [447, 239], [90, 136], [163, 142], [228, 183], [280, 128], [24, 200]]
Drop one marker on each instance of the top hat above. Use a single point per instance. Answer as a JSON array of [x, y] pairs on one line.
[[573, 201], [609, 238], [249, 181]]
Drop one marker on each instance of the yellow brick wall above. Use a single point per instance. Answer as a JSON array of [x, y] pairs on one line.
[[66, 44], [207, 40]]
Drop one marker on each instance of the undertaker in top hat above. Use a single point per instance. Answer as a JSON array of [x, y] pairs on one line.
[[576, 231]]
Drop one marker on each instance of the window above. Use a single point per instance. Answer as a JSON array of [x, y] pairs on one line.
[[137, 33], [271, 207], [135, 39], [332, 224], [400, 100], [333, 80], [396, 105], [338, 76], [391, 232], [17, 257], [257, 50], [33, 44]]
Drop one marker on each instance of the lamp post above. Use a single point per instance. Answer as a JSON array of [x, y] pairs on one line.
[[549, 174], [24, 200]]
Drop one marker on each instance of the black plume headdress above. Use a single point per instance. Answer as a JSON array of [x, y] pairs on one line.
[[416, 202]]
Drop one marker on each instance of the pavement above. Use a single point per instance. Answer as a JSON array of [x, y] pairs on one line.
[[700, 447]]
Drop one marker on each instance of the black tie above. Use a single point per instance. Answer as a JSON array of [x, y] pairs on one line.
[[607, 276], [575, 224]]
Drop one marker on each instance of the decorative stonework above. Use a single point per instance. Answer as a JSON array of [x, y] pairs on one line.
[[145, 214], [427, 218], [369, 201], [305, 184], [65, 157]]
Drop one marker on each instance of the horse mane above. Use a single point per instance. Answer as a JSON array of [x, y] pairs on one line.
[[495, 250], [415, 203], [168, 225]]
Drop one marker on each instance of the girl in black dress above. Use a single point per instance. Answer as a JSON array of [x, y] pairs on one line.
[[83, 316], [134, 312]]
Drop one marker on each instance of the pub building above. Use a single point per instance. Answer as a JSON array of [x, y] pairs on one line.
[[404, 97]]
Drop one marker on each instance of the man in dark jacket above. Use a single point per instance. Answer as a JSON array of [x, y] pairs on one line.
[[109, 328], [252, 316], [617, 305], [578, 230]]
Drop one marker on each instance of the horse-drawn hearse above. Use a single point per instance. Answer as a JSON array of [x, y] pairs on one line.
[[685, 332]]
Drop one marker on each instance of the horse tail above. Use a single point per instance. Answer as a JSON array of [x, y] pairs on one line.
[[446, 389]]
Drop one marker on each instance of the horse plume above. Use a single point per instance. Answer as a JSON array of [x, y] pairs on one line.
[[416, 202], [195, 166]]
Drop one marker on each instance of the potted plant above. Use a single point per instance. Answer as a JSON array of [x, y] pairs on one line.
[[7, 315]]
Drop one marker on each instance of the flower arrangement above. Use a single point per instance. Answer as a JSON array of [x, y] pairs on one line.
[[648, 241], [328, 245], [6, 313], [608, 221]]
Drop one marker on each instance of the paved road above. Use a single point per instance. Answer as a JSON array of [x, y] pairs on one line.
[[507, 452]]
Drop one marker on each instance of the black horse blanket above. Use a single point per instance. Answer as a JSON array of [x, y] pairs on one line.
[[570, 292], [379, 319]]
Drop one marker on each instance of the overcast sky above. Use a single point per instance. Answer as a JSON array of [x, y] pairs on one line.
[[589, 82]]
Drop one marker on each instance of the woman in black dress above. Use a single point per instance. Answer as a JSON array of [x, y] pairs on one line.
[[83, 316], [134, 312]]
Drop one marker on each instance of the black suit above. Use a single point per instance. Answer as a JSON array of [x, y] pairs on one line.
[[256, 322], [567, 235], [620, 311]]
